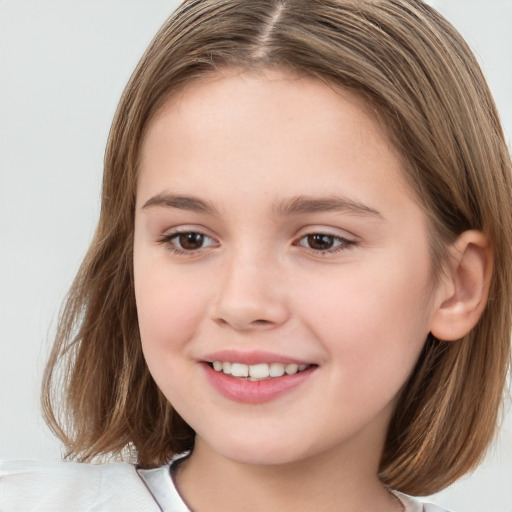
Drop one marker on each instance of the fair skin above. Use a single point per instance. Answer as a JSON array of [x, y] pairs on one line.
[[274, 225]]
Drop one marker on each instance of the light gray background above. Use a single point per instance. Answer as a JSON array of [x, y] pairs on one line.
[[63, 65]]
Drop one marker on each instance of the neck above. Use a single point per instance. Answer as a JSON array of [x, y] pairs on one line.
[[326, 482]]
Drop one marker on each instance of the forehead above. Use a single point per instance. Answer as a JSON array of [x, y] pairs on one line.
[[234, 125], [265, 90]]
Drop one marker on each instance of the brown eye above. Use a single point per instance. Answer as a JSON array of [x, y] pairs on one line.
[[320, 242], [323, 243], [190, 241]]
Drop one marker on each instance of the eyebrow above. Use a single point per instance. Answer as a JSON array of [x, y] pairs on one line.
[[292, 206], [190, 203], [307, 204]]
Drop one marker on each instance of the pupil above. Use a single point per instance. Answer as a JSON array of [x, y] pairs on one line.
[[320, 242], [191, 241]]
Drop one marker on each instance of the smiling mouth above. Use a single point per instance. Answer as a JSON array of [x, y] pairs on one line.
[[257, 372]]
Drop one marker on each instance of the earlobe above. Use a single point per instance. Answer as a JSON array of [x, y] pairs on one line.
[[462, 294]]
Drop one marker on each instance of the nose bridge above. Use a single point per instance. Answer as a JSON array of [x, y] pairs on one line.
[[251, 292]]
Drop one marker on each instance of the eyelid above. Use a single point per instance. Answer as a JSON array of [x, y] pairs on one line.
[[186, 228], [169, 235], [344, 243], [346, 240], [320, 229]]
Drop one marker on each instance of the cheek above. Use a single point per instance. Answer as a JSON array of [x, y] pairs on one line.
[[371, 316], [169, 308]]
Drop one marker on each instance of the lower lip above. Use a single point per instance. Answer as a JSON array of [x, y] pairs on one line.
[[254, 392]]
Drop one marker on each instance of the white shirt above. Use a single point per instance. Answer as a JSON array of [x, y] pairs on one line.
[[75, 487]]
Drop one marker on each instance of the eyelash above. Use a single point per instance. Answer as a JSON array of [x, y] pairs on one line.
[[343, 244], [170, 242]]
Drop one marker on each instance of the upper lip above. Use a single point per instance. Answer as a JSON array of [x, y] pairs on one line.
[[251, 357]]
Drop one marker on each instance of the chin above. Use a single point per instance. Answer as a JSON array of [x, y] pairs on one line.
[[258, 450]]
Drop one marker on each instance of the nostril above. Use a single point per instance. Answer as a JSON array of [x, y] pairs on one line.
[[261, 322], [238, 325]]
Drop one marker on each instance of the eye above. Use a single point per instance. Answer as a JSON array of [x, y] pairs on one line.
[[187, 241], [322, 242]]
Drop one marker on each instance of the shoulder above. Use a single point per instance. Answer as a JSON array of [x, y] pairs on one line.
[[429, 507], [69, 486], [413, 505]]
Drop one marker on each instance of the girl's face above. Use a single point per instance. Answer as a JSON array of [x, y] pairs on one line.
[[275, 233]]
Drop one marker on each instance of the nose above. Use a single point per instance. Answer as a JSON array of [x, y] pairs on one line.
[[251, 294]]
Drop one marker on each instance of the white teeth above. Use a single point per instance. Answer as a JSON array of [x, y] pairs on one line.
[[276, 370], [259, 371], [291, 369], [239, 370]]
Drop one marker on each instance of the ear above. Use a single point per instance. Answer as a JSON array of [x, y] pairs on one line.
[[462, 294]]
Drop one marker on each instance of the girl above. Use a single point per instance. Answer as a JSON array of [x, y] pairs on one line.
[[301, 276]]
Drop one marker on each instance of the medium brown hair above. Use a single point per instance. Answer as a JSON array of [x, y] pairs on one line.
[[422, 81]]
